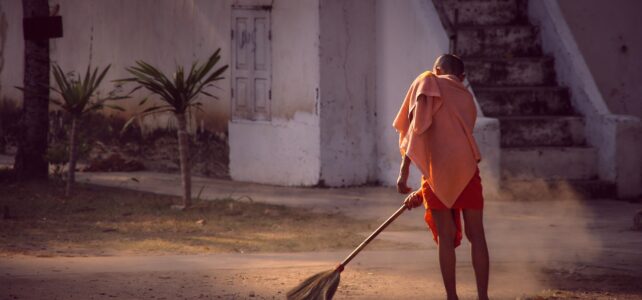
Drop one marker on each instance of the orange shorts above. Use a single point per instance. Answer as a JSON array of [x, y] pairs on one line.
[[470, 198]]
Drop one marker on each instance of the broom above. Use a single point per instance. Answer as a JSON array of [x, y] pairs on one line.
[[322, 286]]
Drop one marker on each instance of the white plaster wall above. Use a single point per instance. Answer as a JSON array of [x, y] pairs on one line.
[[167, 33], [608, 35], [409, 39], [295, 57], [616, 137], [281, 152], [285, 150], [164, 33], [347, 108]]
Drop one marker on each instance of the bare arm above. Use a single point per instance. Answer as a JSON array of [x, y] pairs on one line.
[[404, 171]]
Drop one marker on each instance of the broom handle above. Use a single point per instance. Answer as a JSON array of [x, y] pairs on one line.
[[373, 235]]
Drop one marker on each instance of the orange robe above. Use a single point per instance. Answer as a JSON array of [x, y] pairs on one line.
[[435, 125]]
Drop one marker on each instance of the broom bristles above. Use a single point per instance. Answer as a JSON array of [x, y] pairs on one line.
[[320, 286]]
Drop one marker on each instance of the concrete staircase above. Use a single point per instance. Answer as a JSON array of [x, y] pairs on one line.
[[542, 138]]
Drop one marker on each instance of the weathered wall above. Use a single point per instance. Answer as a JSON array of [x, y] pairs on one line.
[[613, 134], [295, 57], [347, 86], [615, 60], [282, 151], [170, 32], [409, 38], [616, 65], [285, 150], [164, 33]]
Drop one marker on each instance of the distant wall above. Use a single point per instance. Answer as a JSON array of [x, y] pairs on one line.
[[409, 38], [295, 57], [119, 32], [613, 128], [347, 93], [615, 64], [167, 33], [608, 33]]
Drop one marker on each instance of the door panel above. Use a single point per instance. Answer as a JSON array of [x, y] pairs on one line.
[[251, 72]]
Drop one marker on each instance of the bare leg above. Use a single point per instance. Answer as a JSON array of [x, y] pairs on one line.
[[446, 232], [479, 251]]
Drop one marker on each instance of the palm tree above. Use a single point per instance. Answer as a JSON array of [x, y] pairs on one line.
[[178, 96], [80, 96], [30, 160]]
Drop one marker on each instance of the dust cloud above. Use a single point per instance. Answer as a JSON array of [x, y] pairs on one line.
[[552, 232]]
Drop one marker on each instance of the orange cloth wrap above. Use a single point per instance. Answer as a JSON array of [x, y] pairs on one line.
[[470, 198], [435, 125]]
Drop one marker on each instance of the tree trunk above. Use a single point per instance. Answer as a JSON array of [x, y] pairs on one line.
[[30, 160], [183, 150], [73, 156]]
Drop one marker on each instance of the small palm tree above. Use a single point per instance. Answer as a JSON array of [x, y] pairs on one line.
[[178, 95], [80, 96]]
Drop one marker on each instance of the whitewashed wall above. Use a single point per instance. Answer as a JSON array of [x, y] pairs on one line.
[[164, 33], [285, 150], [340, 70], [167, 33], [347, 93], [617, 137], [614, 62], [409, 39]]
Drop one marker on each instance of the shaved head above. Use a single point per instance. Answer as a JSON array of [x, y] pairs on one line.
[[450, 64]]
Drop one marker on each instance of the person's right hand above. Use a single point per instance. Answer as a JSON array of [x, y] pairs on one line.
[[413, 200]]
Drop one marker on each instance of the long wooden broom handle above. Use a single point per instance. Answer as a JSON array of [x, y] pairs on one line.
[[372, 236]]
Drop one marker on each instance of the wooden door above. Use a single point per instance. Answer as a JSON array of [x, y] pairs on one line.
[[251, 64]]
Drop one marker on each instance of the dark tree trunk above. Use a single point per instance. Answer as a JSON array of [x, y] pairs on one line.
[[30, 160], [73, 155], [183, 151]]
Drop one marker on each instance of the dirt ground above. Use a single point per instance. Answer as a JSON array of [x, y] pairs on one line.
[[38, 220], [200, 277], [570, 249]]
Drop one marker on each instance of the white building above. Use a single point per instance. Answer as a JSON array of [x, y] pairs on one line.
[[314, 85]]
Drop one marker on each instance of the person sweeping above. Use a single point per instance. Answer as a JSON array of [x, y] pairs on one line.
[[435, 125]]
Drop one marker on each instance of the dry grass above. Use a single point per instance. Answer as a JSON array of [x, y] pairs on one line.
[[105, 221]]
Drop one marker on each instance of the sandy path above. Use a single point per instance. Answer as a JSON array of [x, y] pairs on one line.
[[374, 275], [583, 247], [380, 274]]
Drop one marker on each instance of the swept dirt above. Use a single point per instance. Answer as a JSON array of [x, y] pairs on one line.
[[39, 221]]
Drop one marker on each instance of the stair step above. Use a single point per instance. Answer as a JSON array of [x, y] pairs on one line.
[[498, 41], [558, 189], [549, 163], [524, 101], [484, 12], [529, 71], [551, 131]]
